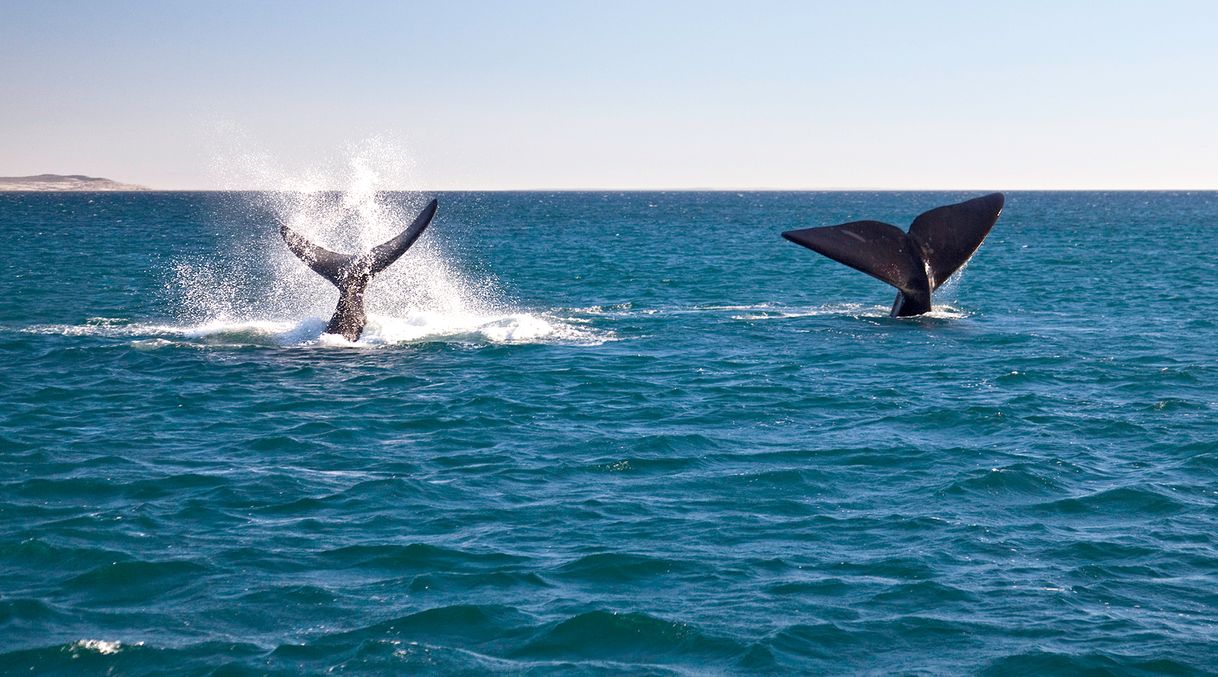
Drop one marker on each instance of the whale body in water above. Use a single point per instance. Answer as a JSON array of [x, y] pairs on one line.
[[938, 243], [351, 273]]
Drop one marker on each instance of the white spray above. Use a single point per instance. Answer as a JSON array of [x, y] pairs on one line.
[[425, 295]]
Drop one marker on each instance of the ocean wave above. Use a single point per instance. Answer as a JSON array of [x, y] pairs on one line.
[[37, 553], [1117, 503], [621, 568], [28, 611], [493, 581], [632, 637], [1018, 479], [136, 583], [415, 557], [139, 657], [481, 639], [1050, 662], [657, 464], [467, 625]]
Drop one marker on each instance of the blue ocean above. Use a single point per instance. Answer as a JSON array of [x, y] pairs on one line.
[[605, 433]]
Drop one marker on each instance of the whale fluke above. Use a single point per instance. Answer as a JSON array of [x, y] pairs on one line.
[[385, 254], [938, 243], [351, 273], [324, 262]]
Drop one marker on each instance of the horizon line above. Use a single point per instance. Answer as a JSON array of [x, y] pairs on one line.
[[839, 189], [640, 190]]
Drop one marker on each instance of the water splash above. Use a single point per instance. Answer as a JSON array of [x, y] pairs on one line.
[[264, 291]]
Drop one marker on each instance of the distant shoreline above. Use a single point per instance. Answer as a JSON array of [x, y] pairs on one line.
[[64, 183]]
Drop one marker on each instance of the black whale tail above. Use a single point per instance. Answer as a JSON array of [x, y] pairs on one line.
[[345, 269], [938, 243], [352, 272]]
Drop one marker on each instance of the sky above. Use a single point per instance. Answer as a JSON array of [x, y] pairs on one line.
[[528, 94]]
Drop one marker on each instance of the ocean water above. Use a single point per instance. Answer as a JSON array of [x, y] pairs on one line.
[[601, 433]]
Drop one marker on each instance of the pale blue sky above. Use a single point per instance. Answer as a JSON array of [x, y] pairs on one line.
[[620, 94]]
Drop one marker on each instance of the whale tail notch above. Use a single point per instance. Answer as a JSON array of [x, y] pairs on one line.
[[938, 243], [351, 273]]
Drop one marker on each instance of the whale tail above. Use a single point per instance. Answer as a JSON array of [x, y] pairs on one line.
[[337, 268], [938, 243], [351, 273]]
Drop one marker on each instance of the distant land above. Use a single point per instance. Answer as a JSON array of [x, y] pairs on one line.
[[61, 182]]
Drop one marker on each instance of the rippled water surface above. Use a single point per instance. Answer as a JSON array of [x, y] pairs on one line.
[[601, 433]]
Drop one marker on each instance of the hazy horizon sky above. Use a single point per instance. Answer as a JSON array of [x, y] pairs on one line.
[[622, 95]]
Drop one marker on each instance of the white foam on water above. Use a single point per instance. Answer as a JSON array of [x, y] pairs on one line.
[[615, 310], [944, 312], [853, 310], [752, 306], [470, 328], [93, 329], [381, 330], [101, 646], [152, 344], [772, 312]]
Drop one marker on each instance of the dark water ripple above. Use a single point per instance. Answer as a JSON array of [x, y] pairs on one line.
[[755, 472]]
